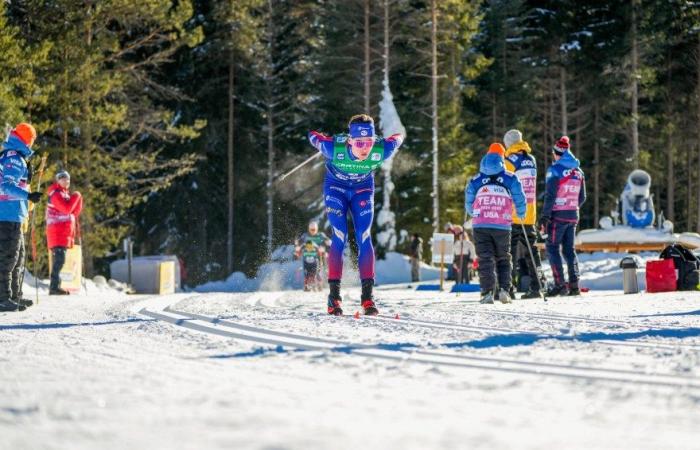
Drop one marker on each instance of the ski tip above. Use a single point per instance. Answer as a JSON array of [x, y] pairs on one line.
[[357, 315]]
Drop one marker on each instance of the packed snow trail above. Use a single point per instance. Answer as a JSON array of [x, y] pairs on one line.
[[271, 370]]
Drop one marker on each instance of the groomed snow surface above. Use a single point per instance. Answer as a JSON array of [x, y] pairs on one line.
[[270, 370]]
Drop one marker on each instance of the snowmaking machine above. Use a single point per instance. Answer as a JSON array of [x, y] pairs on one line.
[[631, 226]]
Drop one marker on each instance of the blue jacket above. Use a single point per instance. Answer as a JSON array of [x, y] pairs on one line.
[[325, 145], [492, 166], [567, 165], [14, 179]]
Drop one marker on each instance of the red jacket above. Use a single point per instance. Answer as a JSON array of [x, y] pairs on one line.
[[62, 210]]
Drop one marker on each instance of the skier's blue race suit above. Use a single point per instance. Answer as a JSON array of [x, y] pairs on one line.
[[349, 186]]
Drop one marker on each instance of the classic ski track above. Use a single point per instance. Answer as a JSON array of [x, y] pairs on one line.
[[261, 335], [445, 325]]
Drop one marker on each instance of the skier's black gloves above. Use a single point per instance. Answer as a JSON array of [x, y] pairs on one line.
[[544, 223], [34, 196]]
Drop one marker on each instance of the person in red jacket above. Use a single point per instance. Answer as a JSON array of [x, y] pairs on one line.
[[62, 210]]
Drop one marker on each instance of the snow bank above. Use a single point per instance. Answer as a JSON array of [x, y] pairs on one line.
[[97, 284], [286, 274], [601, 270]]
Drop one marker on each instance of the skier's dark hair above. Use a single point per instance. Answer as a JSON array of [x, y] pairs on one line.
[[360, 118]]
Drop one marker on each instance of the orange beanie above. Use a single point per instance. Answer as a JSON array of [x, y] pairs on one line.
[[26, 132], [497, 148]]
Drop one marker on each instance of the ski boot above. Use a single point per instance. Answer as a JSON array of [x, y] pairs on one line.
[[9, 305], [23, 301], [557, 290], [574, 289], [58, 291], [368, 299], [504, 296], [335, 302], [534, 293], [486, 297]]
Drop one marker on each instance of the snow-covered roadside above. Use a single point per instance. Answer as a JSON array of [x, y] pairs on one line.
[[87, 372]]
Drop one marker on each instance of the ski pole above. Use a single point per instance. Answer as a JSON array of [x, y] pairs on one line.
[[540, 275], [42, 165], [79, 234], [299, 166]]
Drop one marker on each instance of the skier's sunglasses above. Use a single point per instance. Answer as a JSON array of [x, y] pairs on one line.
[[362, 142]]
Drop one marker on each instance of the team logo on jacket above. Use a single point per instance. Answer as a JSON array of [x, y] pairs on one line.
[[376, 157], [341, 155]]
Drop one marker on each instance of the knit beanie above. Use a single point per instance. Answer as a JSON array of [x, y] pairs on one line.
[[511, 137], [561, 146], [497, 148]]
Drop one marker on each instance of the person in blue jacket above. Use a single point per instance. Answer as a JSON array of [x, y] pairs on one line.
[[351, 160], [565, 192], [15, 175], [489, 199]]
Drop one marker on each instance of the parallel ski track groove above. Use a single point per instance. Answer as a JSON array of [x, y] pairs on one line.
[[273, 337]]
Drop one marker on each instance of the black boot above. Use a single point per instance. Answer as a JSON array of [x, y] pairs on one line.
[[9, 305], [574, 289], [58, 291], [557, 290], [335, 302], [367, 298], [23, 301]]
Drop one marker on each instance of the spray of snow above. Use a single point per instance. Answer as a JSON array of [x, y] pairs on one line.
[[390, 123]]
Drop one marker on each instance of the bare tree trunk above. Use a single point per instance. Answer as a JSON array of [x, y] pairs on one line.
[[270, 130], [689, 188], [596, 166], [494, 115], [697, 105], [635, 88], [434, 79], [367, 58], [270, 175], [229, 240], [88, 145], [562, 97]]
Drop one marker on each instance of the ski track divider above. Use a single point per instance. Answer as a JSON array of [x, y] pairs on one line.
[[403, 352]]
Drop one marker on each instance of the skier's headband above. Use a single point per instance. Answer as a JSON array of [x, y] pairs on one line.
[[559, 151], [361, 130]]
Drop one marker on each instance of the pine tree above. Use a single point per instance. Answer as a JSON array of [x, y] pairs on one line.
[[111, 113]]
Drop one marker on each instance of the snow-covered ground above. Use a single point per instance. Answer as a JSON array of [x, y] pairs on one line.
[[270, 370]]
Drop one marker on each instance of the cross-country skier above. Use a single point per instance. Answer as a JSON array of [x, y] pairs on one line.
[[519, 160], [311, 260], [351, 160], [565, 192], [15, 175], [489, 198], [317, 237]]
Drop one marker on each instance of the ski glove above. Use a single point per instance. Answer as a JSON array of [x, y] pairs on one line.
[[544, 223], [34, 197]]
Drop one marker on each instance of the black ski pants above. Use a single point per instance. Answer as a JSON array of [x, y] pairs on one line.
[[11, 259], [58, 256], [518, 238], [493, 250]]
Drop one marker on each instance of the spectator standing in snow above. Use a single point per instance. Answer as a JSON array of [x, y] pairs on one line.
[[565, 192], [62, 212], [489, 200], [522, 163], [464, 252], [416, 256], [351, 160], [15, 176]]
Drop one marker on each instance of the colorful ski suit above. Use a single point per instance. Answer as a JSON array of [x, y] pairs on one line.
[[349, 187]]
